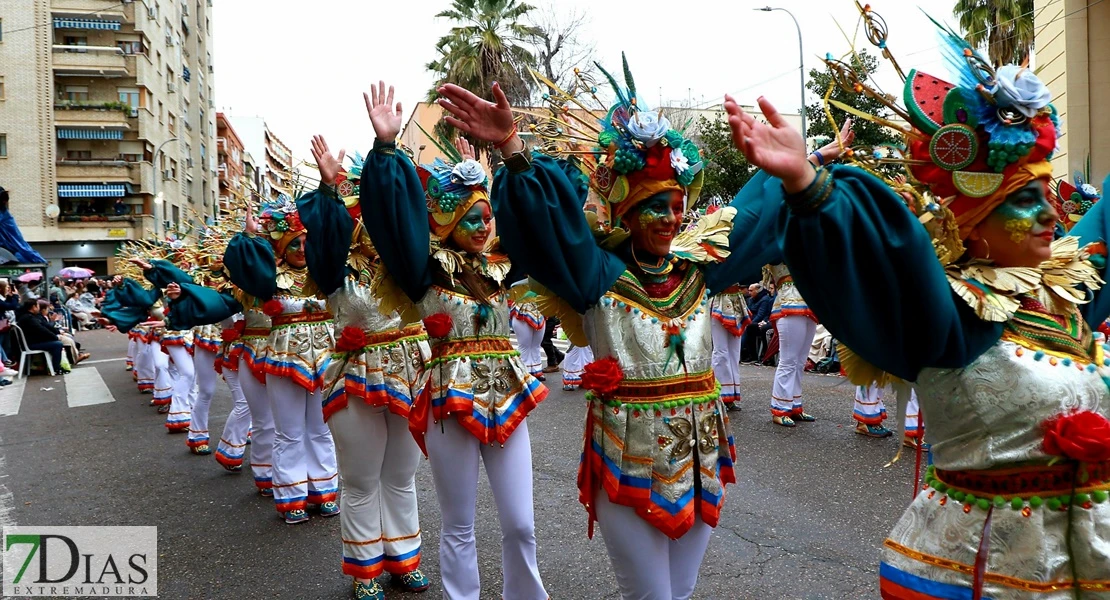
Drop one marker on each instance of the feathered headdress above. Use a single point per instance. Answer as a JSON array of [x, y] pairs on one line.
[[969, 143], [629, 154], [451, 188], [281, 222]]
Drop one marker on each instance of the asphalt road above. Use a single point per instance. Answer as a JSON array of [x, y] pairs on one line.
[[805, 520]]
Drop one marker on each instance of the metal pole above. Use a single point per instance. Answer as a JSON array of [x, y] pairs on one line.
[[801, 67], [154, 186]]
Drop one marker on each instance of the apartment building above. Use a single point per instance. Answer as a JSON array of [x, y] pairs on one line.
[[274, 160], [107, 127], [230, 169], [1072, 48]]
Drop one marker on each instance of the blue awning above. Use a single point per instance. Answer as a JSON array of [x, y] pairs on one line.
[[91, 190], [60, 23], [90, 134]]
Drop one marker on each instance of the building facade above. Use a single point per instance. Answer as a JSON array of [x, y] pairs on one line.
[[273, 160], [107, 124], [230, 170], [1072, 52]]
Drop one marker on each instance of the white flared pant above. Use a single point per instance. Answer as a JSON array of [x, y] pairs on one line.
[[726, 361], [304, 453], [795, 337]]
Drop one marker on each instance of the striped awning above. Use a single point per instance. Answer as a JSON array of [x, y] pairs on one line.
[[90, 134], [61, 23], [91, 190]]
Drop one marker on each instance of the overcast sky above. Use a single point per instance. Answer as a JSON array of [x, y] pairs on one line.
[[304, 65]]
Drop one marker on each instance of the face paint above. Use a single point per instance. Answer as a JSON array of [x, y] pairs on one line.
[[1023, 211], [653, 211], [472, 231]]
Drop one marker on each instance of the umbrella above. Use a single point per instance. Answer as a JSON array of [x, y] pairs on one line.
[[75, 273], [29, 277]]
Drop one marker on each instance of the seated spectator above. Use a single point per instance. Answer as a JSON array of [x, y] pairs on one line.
[[38, 333], [80, 311]]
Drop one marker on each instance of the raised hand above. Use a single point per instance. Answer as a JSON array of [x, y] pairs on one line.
[[385, 117], [142, 264], [173, 291], [250, 223], [464, 148], [328, 164], [832, 150], [774, 146], [481, 119]]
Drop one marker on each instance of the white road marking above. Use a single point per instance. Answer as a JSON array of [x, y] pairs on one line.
[[103, 360], [85, 387], [11, 396]]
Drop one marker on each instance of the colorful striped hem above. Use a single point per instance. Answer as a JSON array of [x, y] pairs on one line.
[[460, 404], [732, 324], [322, 496], [793, 311], [869, 419], [196, 442], [895, 584], [263, 483], [227, 459], [364, 568], [403, 563], [310, 381], [284, 505]]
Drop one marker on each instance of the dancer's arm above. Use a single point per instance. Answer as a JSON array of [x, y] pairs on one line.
[[329, 226], [192, 305], [1095, 227], [863, 262], [250, 263], [391, 198], [128, 304]]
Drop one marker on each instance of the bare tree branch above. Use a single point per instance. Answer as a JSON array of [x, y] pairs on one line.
[[562, 45]]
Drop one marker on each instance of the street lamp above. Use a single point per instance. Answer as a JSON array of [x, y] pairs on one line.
[[419, 152], [158, 196], [801, 65]]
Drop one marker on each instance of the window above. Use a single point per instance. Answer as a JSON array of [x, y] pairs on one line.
[[173, 169], [76, 40], [2, 96], [78, 154], [158, 63], [173, 124], [130, 46], [3, 145], [1, 30], [176, 214], [130, 151], [77, 93], [129, 96], [161, 112]]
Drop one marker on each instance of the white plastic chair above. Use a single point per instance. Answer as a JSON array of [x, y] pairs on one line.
[[26, 353]]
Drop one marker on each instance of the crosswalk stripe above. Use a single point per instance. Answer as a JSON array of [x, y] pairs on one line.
[[85, 387], [11, 396]]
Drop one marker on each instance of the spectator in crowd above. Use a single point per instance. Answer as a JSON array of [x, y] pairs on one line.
[[80, 311], [56, 289], [56, 319], [25, 292], [40, 335], [9, 302], [755, 336], [554, 356], [120, 208]]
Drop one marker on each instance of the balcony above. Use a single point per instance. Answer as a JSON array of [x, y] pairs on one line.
[[114, 171], [103, 61], [104, 114], [106, 9]]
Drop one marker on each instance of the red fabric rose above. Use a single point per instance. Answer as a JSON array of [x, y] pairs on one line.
[[1081, 436], [438, 325], [351, 339], [1104, 329], [230, 335], [602, 377], [272, 308]]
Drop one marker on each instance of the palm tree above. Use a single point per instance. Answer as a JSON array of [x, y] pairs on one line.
[[489, 42], [1005, 26]]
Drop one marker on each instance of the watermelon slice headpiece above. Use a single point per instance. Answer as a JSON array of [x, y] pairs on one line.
[[1076, 199], [972, 139]]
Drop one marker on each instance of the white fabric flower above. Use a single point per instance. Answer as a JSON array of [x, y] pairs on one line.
[[679, 161], [1018, 88], [469, 172], [648, 127], [1088, 191]]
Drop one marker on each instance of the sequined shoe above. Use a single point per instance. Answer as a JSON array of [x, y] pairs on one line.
[[163, 409], [296, 516], [804, 417], [732, 407], [266, 492], [413, 581], [875, 431], [784, 421], [203, 449], [329, 509], [369, 591], [912, 442]]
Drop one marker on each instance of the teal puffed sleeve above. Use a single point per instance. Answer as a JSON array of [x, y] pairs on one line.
[[395, 215], [754, 240], [200, 305], [867, 269], [1095, 227], [543, 228], [328, 237], [128, 304], [249, 262], [162, 273]]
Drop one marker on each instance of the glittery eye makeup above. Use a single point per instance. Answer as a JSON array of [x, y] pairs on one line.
[[1021, 212]]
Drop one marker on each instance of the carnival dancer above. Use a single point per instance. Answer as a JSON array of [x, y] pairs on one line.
[[270, 267], [795, 325], [528, 325], [869, 412], [371, 381], [478, 392], [730, 318], [243, 360], [997, 334], [658, 452], [574, 364], [144, 364]]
